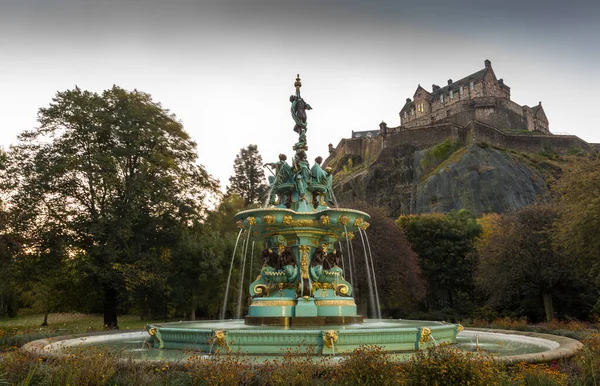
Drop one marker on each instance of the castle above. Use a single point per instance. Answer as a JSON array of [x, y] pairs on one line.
[[480, 97]]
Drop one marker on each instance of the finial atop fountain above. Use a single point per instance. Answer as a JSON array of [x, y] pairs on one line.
[[298, 84]]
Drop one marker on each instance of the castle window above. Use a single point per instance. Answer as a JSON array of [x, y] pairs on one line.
[[471, 85], [405, 115], [451, 94], [412, 111], [421, 108], [442, 98], [461, 90]]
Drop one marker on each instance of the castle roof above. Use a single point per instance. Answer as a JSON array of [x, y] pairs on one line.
[[475, 77]]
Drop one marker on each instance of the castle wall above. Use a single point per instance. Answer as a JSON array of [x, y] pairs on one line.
[[425, 137]]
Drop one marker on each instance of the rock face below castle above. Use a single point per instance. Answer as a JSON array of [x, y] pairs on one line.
[[480, 179]]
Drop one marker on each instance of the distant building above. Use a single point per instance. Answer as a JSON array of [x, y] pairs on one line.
[[477, 97]]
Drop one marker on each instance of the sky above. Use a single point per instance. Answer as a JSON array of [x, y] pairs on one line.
[[226, 68]]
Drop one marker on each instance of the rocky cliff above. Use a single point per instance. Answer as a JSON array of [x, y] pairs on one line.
[[448, 176]]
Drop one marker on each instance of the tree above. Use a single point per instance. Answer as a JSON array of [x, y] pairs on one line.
[[445, 245], [117, 175], [248, 180], [519, 266], [397, 273], [578, 205]]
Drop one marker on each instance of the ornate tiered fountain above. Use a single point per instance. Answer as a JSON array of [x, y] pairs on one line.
[[301, 298]]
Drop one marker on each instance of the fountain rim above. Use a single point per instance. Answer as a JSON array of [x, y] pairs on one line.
[[568, 347], [291, 211]]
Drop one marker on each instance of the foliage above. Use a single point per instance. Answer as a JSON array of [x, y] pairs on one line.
[[442, 365], [578, 205], [368, 365], [445, 246], [397, 273], [439, 153], [248, 179], [520, 269], [116, 174]]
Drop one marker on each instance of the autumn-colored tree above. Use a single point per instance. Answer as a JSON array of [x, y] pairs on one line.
[[578, 205], [519, 266]]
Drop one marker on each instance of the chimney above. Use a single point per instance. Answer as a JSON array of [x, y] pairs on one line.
[[501, 81], [449, 81], [407, 100], [487, 63], [435, 87]]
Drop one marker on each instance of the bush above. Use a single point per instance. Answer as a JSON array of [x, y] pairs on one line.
[[443, 365], [368, 365]]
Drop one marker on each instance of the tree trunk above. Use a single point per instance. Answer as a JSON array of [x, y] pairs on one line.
[[548, 307], [110, 308], [45, 322], [193, 314]]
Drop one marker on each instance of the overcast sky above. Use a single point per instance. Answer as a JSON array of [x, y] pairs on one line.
[[227, 68]]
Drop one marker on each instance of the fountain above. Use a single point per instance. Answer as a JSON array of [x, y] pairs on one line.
[[301, 294], [301, 300]]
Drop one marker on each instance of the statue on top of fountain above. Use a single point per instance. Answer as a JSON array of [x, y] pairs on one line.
[[299, 186]]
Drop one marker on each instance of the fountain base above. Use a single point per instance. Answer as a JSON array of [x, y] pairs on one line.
[[303, 320]]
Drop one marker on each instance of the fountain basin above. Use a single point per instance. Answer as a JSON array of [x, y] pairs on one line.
[[504, 345]]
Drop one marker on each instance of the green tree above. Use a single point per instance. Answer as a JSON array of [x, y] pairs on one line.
[[248, 180], [445, 245], [117, 174]]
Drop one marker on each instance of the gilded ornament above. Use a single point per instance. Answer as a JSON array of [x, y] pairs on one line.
[[364, 226], [259, 289], [322, 286], [287, 220], [268, 219], [274, 303], [240, 224], [251, 221], [425, 335], [152, 331], [304, 223], [348, 235], [219, 338], [342, 289], [460, 328], [340, 302], [358, 222], [330, 337], [304, 249], [344, 220], [324, 248], [325, 220]]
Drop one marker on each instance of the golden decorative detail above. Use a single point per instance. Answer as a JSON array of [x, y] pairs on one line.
[[304, 249], [358, 222], [330, 337], [152, 331], [240, 224], [324, 248], [364, 226], [348, 235], [274, 303], [343, 289], [460, 328], [344, 220], [268, 219], [298, 83], [251, 221], [220, 338], [425, 335], [304, 223], [321, 286], [325, 220], [259, 289], [280, 249], [337, 302], [287, 220]]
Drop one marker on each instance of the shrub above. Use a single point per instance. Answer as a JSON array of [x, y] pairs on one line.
[[368, 365], [443, 365], [537, 375]]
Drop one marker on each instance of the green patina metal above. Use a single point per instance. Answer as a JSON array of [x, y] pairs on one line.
[[301, 286]]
